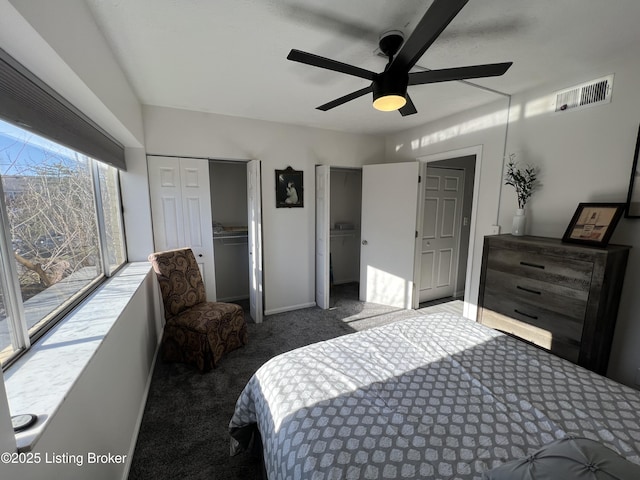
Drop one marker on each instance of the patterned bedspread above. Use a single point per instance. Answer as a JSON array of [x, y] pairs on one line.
[[433, 397]]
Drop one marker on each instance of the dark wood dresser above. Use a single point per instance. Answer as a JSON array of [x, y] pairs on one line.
[[562, 297]]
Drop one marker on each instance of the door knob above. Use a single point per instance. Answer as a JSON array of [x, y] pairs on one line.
[[364, 242]]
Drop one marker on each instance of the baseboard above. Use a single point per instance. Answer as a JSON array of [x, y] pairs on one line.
[[289, 309], [143, 404]]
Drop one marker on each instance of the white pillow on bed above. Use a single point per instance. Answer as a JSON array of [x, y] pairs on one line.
[[567, 459]]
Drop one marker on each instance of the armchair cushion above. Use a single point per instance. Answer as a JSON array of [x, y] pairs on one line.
[[180, 280], [201, 335]]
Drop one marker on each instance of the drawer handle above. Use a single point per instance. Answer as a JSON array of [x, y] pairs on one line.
[[533, 317], [535, 292], [534, 265]]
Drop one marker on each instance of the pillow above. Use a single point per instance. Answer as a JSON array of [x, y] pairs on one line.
[[568, 458]]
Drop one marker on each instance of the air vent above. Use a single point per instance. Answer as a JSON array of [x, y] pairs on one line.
[[586, 94]]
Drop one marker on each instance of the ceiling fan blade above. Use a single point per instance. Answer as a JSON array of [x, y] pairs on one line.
[[409, 108], [327, 63], [435, 20], [459, 73], [347, 98]]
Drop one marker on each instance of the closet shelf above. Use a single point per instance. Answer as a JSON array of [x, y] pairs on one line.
[[231, 237], [343, 233]]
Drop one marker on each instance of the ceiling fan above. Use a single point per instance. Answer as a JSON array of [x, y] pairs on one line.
[[390, 86]]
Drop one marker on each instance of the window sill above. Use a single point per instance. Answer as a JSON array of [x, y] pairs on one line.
[[40, 380]]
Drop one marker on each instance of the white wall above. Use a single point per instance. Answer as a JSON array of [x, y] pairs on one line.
[[137, 206], [7, 438], [228, 183], [288, 233], [585, 156]]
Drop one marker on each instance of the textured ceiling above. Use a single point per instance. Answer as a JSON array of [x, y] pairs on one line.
[[229, 56]]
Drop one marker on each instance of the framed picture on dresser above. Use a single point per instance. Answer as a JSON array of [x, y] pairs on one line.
[[594, 223]]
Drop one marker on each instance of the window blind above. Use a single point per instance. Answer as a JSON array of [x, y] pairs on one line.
[[28, 102]]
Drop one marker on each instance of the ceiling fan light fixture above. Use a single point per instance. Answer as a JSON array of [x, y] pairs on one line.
[[389, 103], [389, 92]]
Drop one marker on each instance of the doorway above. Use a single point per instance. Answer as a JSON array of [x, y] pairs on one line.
[[338, 212], [229, 213], [439, 232], [389, 221], [344, 237], [445, 226], [236, 206]]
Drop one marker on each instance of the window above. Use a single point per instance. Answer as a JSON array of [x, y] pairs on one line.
[[62, 222], [112, 213]]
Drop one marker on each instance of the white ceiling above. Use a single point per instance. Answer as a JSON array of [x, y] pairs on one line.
[[229, 56]]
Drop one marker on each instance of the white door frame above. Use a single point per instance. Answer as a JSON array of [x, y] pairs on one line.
[[470, 309], [254, 243], [323, 199]]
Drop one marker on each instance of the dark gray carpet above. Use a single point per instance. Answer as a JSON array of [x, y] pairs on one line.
[[184, 428]]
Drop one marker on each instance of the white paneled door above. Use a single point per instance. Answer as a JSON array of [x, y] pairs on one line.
[[181, 210], [440, 232], [389, 210], [323, 189]]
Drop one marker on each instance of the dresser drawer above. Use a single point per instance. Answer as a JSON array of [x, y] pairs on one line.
[[531, 292], [558, 325], [561, 347], [559, 271]]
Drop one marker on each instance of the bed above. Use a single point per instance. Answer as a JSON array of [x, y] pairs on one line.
[[432, 397]]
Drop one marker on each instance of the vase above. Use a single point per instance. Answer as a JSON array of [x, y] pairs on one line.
[[519, 222]]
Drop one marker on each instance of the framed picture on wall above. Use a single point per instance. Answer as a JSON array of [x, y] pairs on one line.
[[633, 198], [289, 188], [594, 223]]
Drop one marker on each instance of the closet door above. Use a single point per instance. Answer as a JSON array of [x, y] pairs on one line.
[[254, 204], [181, 210], [166, 202], [389, 209], [322, 235], [196, 214]]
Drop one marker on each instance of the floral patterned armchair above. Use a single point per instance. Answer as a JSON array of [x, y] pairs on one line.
[[196, 332]]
